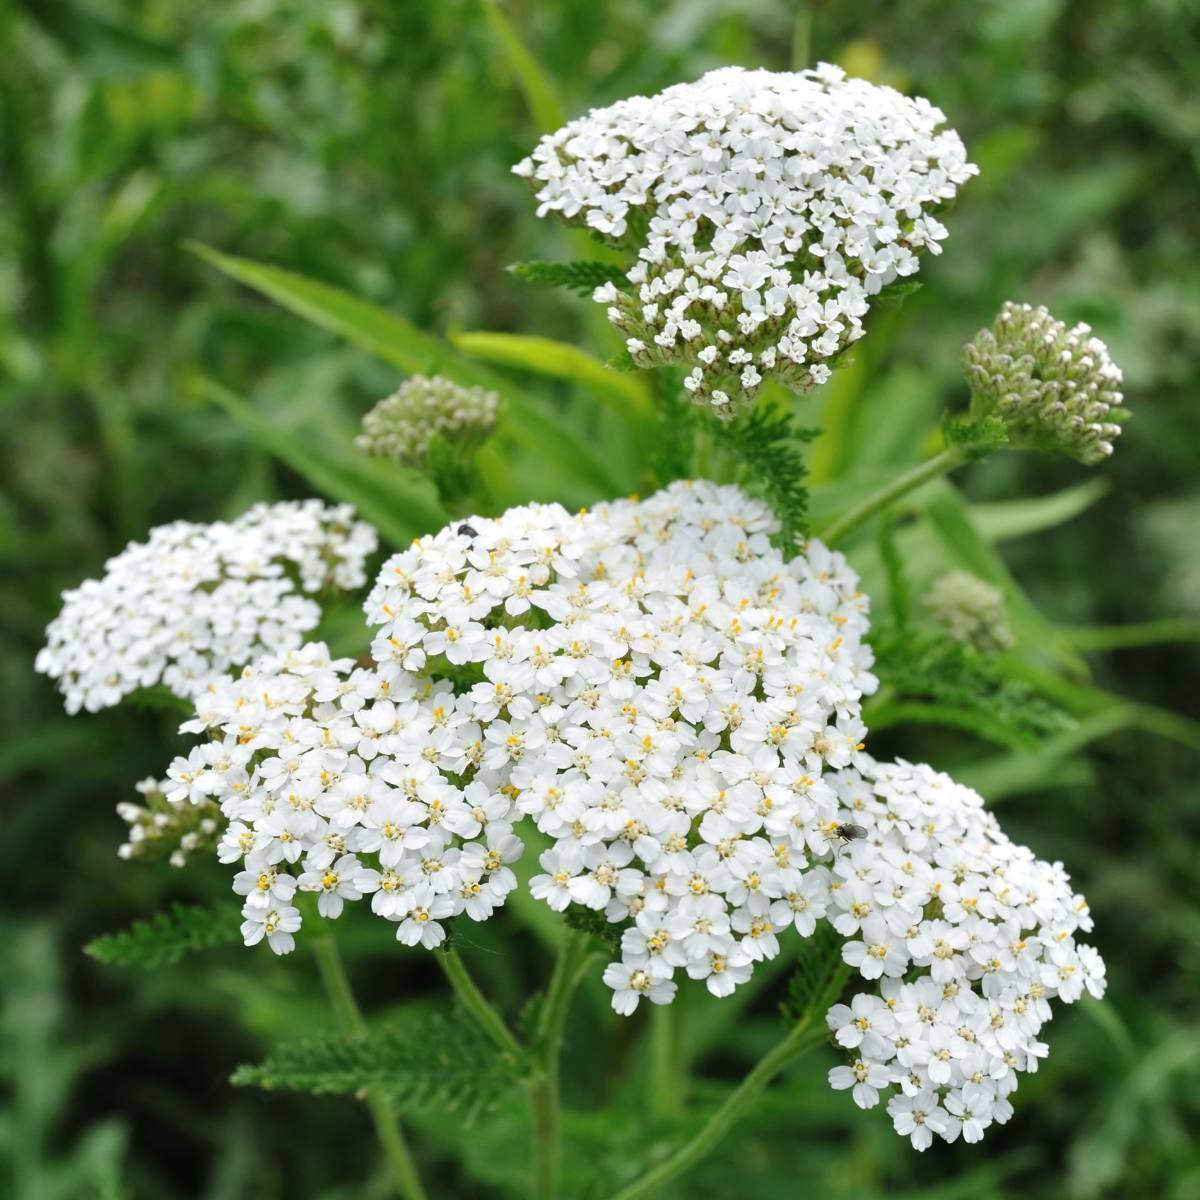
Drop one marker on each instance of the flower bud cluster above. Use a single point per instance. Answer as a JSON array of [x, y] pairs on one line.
[[193, 602], [1055, 388], [158, 827], [969, 938], [970, 610], [766, 211], [404, 425]]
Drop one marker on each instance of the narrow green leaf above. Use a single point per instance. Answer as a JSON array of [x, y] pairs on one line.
[[1147, 633], [1003, 520], [399, 507], [581, 276], [558, 360], [167, 936], [533, 81], [531, 422]]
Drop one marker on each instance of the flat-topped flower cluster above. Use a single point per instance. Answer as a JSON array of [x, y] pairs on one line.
[[651, 682], [766, 209], [194, 602], [969, 937], [675, 706]]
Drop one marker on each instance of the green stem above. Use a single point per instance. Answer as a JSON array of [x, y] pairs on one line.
[[939, 464], [476, 1003], [664, 1097], [801, 1038], [544, 1100], [350, 1019]]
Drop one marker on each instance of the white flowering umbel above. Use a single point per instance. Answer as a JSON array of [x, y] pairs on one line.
[[406, 424], [650, 682], [766, 210], [1054, 388], [970, 610], [194, 602], [968, 938]]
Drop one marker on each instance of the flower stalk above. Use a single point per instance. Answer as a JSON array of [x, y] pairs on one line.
[[350, 1020], [544, 1099], [934, 468], [801, 1038]]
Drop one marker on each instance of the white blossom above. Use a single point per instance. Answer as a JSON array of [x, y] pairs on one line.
[[978, 937], [194, 602], [766, 210], [650, 683]]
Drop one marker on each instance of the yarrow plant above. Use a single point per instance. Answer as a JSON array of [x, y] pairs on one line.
[[651, 715]]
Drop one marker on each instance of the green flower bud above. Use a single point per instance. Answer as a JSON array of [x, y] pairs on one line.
[[158, 828], [1055, 389], [971, 611], [423, 410]]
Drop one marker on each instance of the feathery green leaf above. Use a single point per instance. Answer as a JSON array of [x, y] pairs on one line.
[[442, 1062], [167, 936], [581, 276]]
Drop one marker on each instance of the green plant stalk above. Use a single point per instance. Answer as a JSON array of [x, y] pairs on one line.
[[476, 1003], [350, 1019], [799, 1040], [544, 1099], [665, 1092], [933, 468]]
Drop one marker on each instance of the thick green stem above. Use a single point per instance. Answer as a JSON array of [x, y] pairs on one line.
[[544, 1103], [932, 468], [803, 1037], [350, 1020], [476, 1003], [665, 1094]]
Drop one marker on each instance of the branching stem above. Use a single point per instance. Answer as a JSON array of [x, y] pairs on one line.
[[933, 468], [350, 1021], [476, 1003], [543, 1085], [801, 1038]]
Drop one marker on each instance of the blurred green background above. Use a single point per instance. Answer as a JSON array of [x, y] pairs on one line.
[[367, 143]]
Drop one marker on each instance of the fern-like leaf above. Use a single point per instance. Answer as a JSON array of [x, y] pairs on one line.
[[766, 442], [935, 678], [167, 936], [819, 978], [581, 277], [443, 1062]]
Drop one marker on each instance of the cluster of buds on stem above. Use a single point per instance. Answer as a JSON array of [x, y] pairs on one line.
[[408, 424], [1055, 389], [157, 827], [970, 610]]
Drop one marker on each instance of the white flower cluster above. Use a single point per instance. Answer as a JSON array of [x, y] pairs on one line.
[[193, 601], [970, 937], [650, 682], [766, 209]]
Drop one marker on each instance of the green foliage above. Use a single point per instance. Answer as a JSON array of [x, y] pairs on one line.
[[581, 276], [766, 443], [268, 128], [934, 678], [588, 920], [819, 976], [437, 1062], [164, 938]]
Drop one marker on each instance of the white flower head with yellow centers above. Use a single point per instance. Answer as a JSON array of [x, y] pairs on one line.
[[195, 602]]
